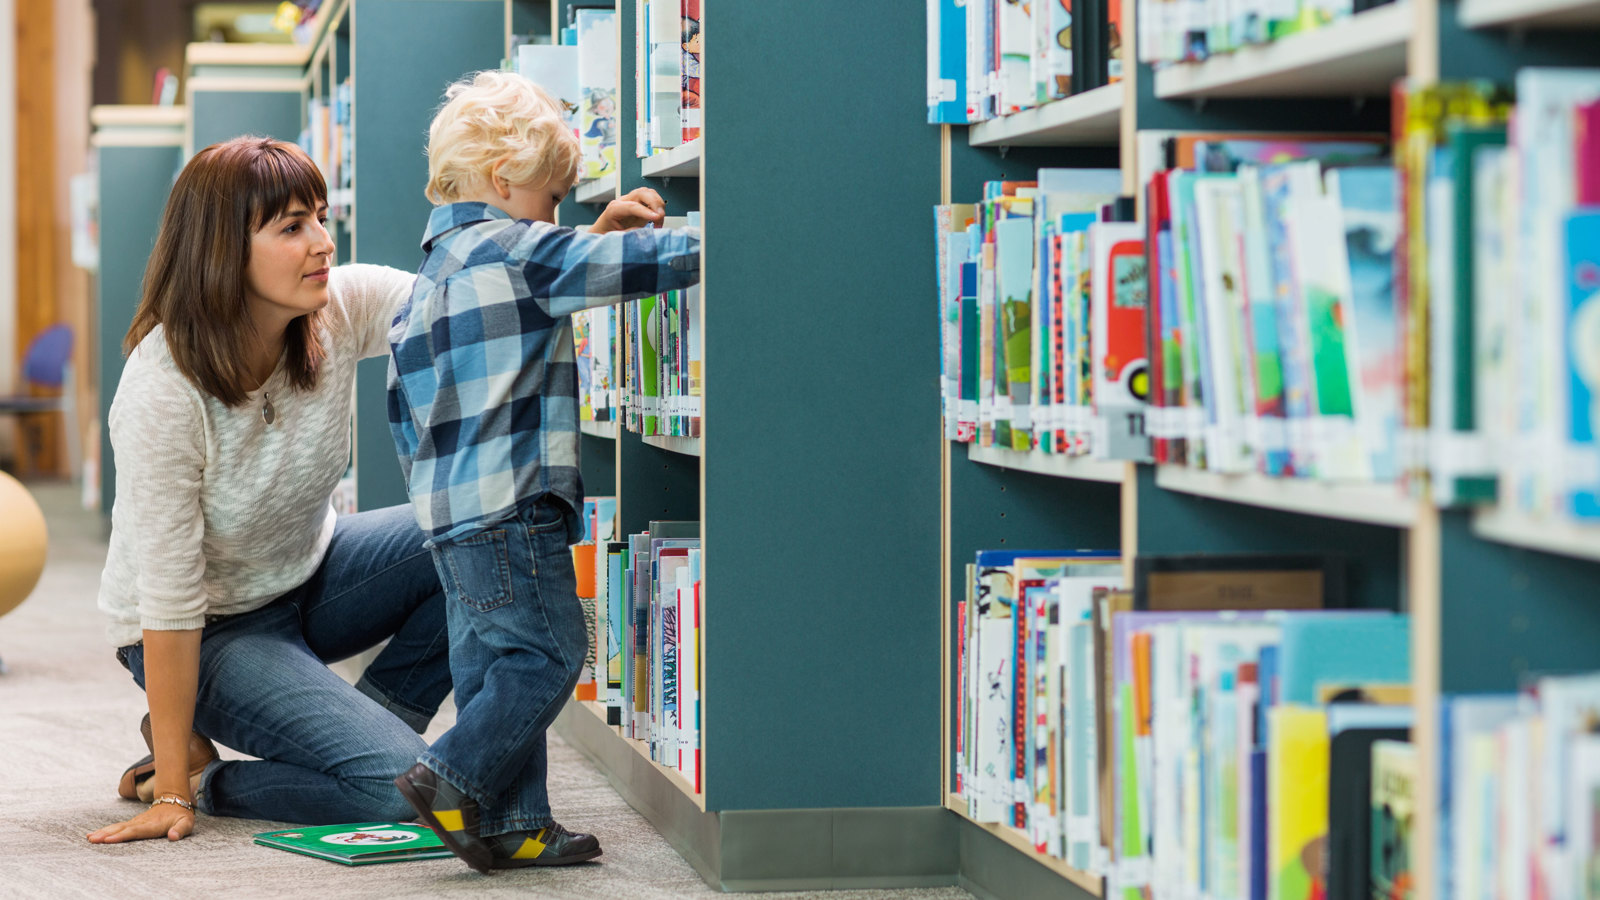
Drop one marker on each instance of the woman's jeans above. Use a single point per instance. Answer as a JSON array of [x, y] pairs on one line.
[[517, 641], [329, 752]]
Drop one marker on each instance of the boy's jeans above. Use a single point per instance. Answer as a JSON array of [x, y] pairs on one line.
[[517, 641], [329, 752]]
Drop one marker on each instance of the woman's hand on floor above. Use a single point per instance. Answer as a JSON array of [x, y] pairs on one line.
[[165, 819]]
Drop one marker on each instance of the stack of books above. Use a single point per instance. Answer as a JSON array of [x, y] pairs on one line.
[[1172, 31], [667, 49], [661, 350]]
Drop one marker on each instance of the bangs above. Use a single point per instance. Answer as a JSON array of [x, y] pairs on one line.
[[281, 175]]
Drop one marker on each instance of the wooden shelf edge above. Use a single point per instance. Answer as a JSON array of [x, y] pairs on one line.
[[1559, 536], [115, 116], [1529, 13], [606, 430], [671, 776], [1345, 44], [1018, 841], [1092, 117], [679, 162], [1108, 471], [212, 54], [1365, 503], [687, 446]]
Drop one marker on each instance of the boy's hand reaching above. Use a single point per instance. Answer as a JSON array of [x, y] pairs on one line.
[[635, 209]]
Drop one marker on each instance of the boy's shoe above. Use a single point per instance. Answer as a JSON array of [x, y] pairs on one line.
[[549, 846], [451, 814]]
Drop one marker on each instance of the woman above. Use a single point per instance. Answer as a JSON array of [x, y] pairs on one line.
[[230, 583]]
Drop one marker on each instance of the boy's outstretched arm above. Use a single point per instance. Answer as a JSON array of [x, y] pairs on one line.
[[637, 208], [568, 270]]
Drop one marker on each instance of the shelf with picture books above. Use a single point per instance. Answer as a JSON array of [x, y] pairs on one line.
[[1092, 117], [1434, 449]]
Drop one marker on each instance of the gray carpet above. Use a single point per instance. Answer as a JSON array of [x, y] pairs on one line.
[[68, 727]]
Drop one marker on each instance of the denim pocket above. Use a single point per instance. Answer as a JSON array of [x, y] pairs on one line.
[[477, 570]]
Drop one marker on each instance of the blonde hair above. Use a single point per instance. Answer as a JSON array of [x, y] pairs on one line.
[[498, 123]]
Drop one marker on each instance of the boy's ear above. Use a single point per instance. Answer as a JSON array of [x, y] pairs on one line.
[[502, 187]]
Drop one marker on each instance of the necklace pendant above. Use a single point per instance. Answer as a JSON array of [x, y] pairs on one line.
[[268, 414]]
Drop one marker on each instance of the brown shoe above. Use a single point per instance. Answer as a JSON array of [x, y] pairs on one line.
[[201, 753]]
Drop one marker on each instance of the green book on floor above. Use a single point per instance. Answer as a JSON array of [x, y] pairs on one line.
[[358, 845]]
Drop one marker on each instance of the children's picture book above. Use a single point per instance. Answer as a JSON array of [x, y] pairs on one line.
[[359, 845]]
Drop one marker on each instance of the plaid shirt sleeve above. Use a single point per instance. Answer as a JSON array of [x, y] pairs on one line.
[[568, 271]]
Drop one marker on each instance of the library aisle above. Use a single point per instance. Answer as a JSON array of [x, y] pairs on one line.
[[68, 726]]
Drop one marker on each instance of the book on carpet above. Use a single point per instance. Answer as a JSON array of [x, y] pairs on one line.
[[358, 845]]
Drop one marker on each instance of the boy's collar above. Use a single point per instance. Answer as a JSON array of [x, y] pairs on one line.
[[451, 216]]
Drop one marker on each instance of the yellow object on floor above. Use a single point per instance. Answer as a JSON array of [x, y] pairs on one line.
[[23, 542]]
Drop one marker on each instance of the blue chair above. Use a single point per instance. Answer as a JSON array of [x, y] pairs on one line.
[[46, 383]]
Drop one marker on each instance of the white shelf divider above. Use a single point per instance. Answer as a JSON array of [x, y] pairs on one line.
[[1358, 56], [599, 190], [679, 162], [1078, 467], [1373, 504], [1093, 117], [1530, 13], [1560, 536], [688, 446], [606, 430]]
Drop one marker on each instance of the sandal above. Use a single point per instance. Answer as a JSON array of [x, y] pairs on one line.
[[201, 753]]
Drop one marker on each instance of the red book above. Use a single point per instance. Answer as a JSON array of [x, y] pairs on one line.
[[1586, 154]]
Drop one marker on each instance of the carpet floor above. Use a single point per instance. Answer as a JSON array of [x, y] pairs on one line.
[[69, 719]]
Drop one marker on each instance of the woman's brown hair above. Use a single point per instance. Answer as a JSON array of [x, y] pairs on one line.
[[194, 284]]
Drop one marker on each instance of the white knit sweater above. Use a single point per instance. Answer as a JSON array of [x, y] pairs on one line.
[[218, 512]]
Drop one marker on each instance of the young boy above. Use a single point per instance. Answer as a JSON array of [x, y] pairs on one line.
[[483, 404]]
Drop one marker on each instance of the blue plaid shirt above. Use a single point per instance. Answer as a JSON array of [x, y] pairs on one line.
[[483, 388]]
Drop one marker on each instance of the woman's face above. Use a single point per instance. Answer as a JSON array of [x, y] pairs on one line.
[[289, 257]]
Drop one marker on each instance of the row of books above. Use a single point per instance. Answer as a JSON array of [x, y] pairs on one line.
[[599, 528], [1519, 788], [1501, 287], [1042, 317], [667, 56], [595, 334], [647, 627], [989, 58], [581, 73], [1027, 738], [661, 348], [1173, 31], [326, 139], [1272, 307], [1244, 762], [1178, 749]]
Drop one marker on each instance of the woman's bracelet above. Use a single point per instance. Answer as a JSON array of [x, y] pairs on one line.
[[173, 799]]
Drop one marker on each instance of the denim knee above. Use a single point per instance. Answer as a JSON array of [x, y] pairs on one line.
[[382, 799]]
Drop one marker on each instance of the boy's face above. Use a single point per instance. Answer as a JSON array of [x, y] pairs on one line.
[[534, 202]]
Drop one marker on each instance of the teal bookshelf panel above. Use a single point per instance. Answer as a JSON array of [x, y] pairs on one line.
[[1174, 522], [656, 484], [597, 463], [222, 115], [407, 53], [1497, 54], [821, 464], [1508, 612], [134, 184]]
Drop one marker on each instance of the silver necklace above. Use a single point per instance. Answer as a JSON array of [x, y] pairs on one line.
[[268, 414]]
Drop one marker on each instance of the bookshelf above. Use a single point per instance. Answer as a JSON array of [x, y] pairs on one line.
[[679, 162], [1364, 503], [686, 446], [1559, 536], [599, 190], [138, 151], [1084, 468], [605, 430], [1530, 13], [1358, 56], [1092, 117]]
